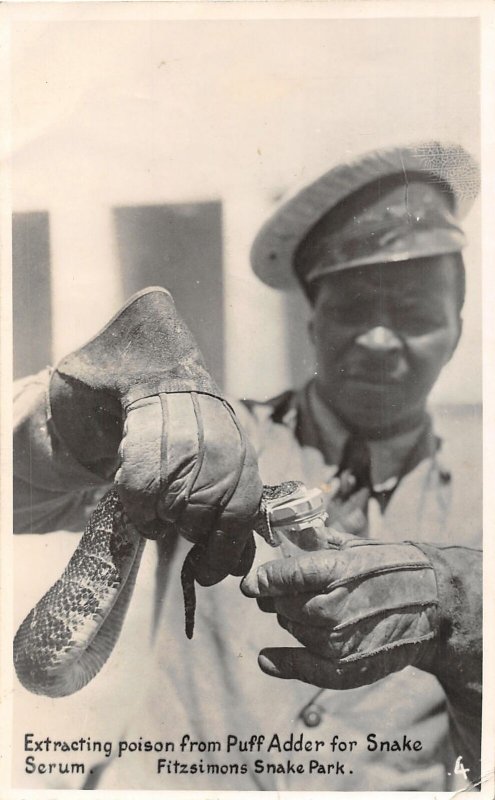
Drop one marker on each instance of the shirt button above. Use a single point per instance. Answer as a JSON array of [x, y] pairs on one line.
[[311, 716]]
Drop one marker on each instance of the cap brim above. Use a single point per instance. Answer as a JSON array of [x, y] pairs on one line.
[[449, 166]]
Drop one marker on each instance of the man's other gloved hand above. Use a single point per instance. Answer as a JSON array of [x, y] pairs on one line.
[[137, 404], [362, 610]]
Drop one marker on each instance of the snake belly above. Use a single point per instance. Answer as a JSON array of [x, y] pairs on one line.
[[65, 640]]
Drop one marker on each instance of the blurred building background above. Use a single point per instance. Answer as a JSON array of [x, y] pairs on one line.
[[149, 152]]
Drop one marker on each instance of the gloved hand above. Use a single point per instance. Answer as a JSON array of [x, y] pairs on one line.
[[362, 609], [137, 404]]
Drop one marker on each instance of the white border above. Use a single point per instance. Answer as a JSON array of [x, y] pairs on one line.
[[258, 9]]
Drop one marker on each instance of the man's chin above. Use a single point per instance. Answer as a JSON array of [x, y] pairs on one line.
[[369, 405]]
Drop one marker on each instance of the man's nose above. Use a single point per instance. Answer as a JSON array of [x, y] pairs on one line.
[[380, 339]]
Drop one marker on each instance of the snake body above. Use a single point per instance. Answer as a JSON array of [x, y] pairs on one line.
[[68, 636], [65, 640]]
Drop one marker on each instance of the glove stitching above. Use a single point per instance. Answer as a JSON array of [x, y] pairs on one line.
[[438, 631], [163, 448], [242, 460], [399, 566], [223, 503], [193, 474], [358, 542], [201, 446], [385, 648], [153, 392], [441, 546], [385, 612]]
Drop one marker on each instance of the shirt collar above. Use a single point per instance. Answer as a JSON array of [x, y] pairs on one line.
[[388, 456]]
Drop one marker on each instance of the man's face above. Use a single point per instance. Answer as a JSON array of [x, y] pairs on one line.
[[382, 334]]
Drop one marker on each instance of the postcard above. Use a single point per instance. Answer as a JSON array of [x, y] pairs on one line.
[[246, 336]]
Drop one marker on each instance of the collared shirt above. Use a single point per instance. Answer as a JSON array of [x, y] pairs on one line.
[[388, 456]]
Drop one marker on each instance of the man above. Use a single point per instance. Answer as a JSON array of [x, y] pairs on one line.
[[376, 246], [378, 254]]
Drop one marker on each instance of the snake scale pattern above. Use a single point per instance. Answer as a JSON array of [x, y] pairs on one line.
[[66, 639]]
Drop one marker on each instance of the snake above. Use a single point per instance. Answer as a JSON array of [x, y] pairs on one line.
[[65, 640]]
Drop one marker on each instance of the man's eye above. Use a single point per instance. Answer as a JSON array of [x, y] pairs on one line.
[[416, 322]]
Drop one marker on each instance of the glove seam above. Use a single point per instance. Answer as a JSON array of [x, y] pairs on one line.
[[201, 448], [242, 460], [154, 390], [385, 612], [164, 477], [385, 648], [163, 448], [360, 542], [437, 632], [406, 566]]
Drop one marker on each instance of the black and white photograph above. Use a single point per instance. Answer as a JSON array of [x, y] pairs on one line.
[[248, 364]]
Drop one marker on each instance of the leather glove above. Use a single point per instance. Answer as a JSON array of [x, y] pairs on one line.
[[365, 608], [137, 404], [362, 609]]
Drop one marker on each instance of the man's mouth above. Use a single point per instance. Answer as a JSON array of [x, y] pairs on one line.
[[377, 377]]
